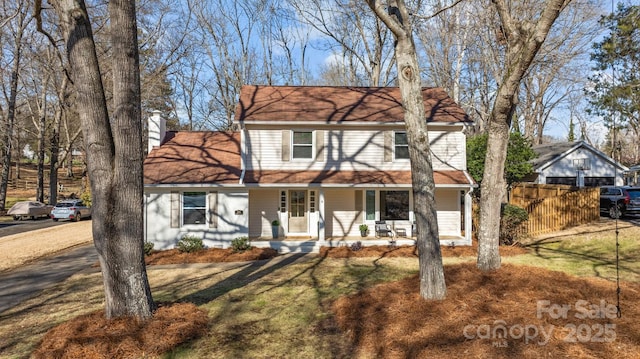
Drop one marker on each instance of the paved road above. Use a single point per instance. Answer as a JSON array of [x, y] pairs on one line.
[[15, 227], [26, 282]]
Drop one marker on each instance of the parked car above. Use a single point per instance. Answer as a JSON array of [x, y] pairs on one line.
[[73, 210], [618, 201], [30, 209]]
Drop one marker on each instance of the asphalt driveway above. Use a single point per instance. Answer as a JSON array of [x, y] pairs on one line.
[[27, 281]]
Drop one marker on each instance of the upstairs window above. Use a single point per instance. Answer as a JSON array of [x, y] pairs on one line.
[[302, 145], [401, 146]]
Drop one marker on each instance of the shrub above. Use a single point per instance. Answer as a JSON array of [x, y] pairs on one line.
[[510, 220], [148, 248], [363, 228], [240, 244], [189, 244], [356, 246]]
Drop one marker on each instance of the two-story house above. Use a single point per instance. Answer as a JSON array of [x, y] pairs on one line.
[[319, 160]]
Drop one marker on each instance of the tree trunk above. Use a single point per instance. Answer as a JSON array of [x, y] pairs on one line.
[[523, 43], [432, 281], [41, 153], [55, 143], [114, 152], [11, 111]]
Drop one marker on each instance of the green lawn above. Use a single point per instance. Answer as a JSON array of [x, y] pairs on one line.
[[589, 254]]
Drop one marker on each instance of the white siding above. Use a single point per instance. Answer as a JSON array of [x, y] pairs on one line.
[[448, 150], [361, 149], [341, 217], [231, 224], [600, 167], [564, 167], [263, 208], [448, 206]]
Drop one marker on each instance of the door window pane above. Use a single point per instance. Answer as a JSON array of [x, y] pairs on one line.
[[297, 204]]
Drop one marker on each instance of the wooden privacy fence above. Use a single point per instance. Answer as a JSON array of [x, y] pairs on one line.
[[555, 207]]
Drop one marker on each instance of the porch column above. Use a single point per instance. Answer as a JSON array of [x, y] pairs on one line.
[[468, 215], [321, 223]]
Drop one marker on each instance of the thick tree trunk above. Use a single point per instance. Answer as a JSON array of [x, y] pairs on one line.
[[432, 281], [523, 43], [114, 152]]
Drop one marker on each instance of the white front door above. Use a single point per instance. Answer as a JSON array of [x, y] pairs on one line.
[[298, 212]]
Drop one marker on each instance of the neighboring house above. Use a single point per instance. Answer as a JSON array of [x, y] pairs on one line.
[[632, 176], [320, 160], [576, 164]]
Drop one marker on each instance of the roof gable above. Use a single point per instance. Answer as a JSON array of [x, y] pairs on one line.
[[195, 157], [550, 153], [333, 105]]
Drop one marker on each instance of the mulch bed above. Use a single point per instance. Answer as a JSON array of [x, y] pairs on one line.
[[411, 251], [209, 255], [391, 320], [92, 336]]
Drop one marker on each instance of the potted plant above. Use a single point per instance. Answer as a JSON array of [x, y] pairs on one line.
[[275, 228], [363, 230]]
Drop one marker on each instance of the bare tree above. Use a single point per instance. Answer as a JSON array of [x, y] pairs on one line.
[[398, 19], [558, 71], [361, 43], [114, 150], [22, 19], [523, 34], [232, 58]]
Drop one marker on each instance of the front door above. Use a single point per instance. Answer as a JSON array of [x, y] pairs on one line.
[[298, 211]]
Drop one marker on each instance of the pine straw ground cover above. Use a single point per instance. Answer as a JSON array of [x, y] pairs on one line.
[[516, 312], [209, 255], [338, 305]]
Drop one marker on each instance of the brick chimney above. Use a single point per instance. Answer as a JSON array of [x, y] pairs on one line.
[[157, 130]]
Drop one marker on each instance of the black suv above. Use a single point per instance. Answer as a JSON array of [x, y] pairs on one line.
[[618, 201]]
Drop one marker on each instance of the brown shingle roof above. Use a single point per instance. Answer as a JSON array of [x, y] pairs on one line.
[[339, 104], [195, 157], [348, 177]]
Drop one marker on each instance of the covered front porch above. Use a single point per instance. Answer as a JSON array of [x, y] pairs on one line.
[[307, 218]]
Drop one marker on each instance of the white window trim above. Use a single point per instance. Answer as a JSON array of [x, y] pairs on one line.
[[313, 146], [206, 211]]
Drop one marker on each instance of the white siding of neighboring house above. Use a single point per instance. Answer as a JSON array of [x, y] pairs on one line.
[[564, 167], [361, 149], [229, 225]]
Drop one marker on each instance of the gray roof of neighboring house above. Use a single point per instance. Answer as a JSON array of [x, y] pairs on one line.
[[550, 152]]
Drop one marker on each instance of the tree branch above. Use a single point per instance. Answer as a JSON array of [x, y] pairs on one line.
[[37, 13]]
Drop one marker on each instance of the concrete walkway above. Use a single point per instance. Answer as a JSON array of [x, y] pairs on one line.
[[27, 281]]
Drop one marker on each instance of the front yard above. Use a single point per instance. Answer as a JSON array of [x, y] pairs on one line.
[[313, 306]]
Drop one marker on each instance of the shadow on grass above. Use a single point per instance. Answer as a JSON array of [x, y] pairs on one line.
[[250, 273], [599, 259]]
